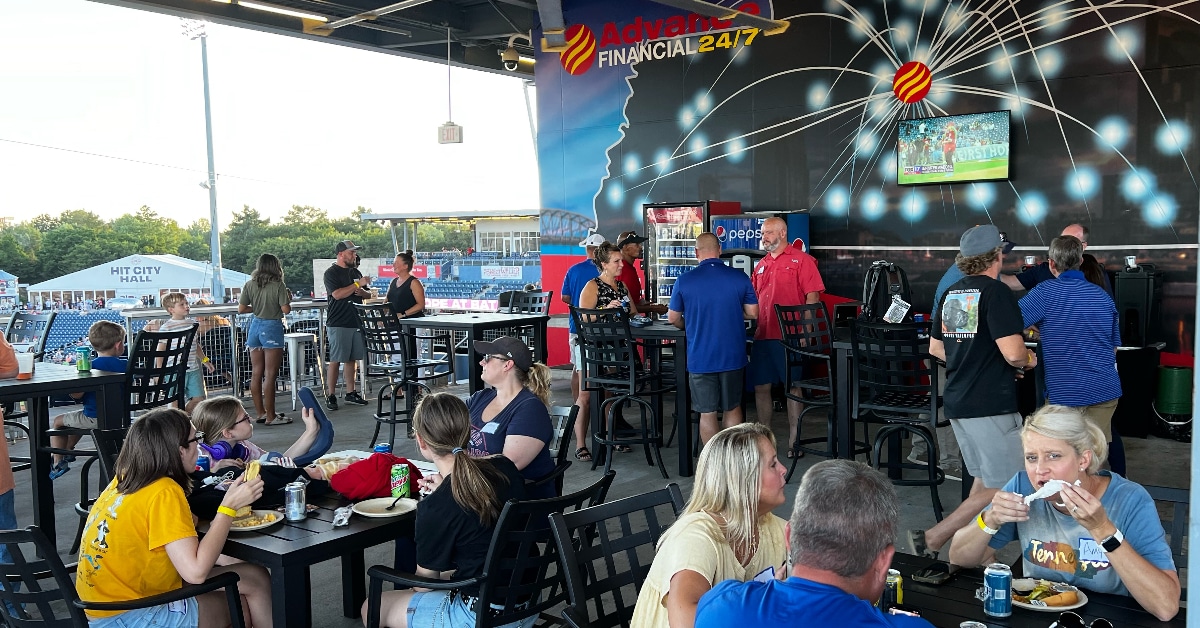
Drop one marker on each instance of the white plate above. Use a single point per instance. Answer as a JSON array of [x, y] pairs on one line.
[[378, 507], [1054, 609], [258, 513]]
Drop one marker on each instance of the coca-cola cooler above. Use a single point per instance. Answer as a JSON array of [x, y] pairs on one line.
[[741, 236], [670, 249]]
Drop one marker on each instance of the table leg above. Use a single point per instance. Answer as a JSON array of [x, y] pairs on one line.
[[539, 341], [291, 583], [474, 370], [683, 424], [354, 584], [845, 427], [43, 486]]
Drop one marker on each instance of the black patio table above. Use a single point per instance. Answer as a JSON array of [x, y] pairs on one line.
[[954, 602], [474, 324], [289, 549], [58, 379]]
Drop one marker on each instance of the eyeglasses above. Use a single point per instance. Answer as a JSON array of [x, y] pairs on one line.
[[245, 419], [1069, 619], [489, 358], [196, 439]]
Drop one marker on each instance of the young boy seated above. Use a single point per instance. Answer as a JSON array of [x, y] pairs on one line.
[[108, 340], [178, 307]]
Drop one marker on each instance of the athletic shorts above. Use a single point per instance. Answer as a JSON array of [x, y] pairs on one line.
[[991, 447], [193, 385], [767, 362], [265, 333], [346, 344], [716, 392], [76, 418]]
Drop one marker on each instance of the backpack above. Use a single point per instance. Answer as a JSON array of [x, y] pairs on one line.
[[883, 281]]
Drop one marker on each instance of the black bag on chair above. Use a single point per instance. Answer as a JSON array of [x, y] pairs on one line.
[[882, 282]]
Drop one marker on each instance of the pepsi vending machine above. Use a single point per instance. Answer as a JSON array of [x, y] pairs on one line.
[[670, 249], [741, 236]]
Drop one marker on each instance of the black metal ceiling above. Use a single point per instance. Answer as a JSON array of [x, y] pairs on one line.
[[478, 29]]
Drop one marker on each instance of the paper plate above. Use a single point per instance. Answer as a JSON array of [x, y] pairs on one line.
[[378, 507], [260, 514], [1054, 609]]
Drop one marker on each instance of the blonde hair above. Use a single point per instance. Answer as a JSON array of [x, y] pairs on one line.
[[171, 299], [976, 264], [728, 480], [1073, 428], [444, 425], [536, 379], [215, 415]]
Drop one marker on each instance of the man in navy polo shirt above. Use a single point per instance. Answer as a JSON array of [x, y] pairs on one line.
[[714, 300]]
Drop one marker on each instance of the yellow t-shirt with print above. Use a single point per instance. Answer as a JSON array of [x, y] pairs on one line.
[[123, 555], [695, 542]]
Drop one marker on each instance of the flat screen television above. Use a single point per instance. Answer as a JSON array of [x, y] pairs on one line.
[[953, 149]]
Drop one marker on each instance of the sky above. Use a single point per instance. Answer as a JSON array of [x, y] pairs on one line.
[[102, 108]]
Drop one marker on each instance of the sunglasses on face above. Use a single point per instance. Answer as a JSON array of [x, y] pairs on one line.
[[489, 358], [1069, 619], [195, 439]]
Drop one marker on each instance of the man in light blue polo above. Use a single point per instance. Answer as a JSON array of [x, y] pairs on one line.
[[714, 300], [576, 278]]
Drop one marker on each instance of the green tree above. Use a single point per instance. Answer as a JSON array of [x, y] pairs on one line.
[[148, 233]]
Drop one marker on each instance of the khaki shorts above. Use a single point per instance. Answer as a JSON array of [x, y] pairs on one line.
[[1101, 414], [991, 447], [576, 352], [76, 418]]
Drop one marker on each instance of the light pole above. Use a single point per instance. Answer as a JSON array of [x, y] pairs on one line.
[[195, 29]]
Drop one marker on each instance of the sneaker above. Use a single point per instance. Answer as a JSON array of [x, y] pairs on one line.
[[355, 398], [331, 403], [59, 470]]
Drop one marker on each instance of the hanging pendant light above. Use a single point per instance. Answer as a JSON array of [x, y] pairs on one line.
[[449, 133]]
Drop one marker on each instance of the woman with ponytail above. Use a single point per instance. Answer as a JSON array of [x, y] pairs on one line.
[[455, 522], [512, 416]]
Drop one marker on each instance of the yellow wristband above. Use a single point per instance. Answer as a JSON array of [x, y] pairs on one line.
[[226, 510], [205, 360], [984, 526]]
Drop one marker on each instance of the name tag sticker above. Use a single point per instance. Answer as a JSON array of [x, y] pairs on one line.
[[1090, 550], [489, 428], [765, 575]]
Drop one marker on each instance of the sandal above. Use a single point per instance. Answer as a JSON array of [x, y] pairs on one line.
[[583, 454], [280, 420], [262, 420], [623, 449]]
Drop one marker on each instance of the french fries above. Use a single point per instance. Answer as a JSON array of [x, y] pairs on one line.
[[253, 520]]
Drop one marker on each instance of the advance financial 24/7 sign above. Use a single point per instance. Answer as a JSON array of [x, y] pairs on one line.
[[500, 272]]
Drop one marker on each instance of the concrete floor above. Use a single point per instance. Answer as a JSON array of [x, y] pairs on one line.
[[354, 426]]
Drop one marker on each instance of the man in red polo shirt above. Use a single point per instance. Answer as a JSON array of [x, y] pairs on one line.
[[630, 244], [786, 276]]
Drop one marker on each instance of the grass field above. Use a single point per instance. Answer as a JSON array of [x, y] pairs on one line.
[[963, 171]]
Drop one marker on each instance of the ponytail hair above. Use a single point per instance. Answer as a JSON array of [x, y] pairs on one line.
[[444, 424], [537, 380]]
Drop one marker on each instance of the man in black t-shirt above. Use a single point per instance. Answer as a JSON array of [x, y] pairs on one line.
[[977, 330], [345, 286]]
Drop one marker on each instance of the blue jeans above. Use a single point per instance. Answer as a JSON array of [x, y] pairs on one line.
[[181, 614]]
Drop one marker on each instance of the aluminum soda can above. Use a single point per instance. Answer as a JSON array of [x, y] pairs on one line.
[[997, 590], [383, 448], [295, 508], [972, 624], [202, 461], [893, 590], [83, 359], [399, 482]]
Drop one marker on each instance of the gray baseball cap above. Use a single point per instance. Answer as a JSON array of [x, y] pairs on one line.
[[980, 239]]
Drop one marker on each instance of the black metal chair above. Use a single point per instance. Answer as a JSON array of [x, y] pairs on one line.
[[563, 419], [606, 552], [521, 574], [895, 384], [45, 585], [610, 365], [27, 333], [808, 349], [108, 447], [530, 302], [388, 355], [1178, 501]]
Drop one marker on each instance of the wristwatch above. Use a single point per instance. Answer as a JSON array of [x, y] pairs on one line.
[[1113, 542]]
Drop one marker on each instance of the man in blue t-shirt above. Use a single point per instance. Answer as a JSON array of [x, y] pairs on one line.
[[577, 277], [714, 300], [840, 551]]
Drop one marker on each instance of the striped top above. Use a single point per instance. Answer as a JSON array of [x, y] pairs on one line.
[[1080, 334]]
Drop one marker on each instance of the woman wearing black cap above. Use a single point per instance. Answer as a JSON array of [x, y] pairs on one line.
[[511, 417]]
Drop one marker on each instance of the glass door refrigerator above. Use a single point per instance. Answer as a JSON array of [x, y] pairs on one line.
[[670, 249]]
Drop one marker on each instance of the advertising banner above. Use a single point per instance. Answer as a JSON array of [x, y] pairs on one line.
[[501, 272]]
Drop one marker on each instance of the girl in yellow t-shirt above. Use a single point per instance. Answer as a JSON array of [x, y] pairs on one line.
[[142, 517]]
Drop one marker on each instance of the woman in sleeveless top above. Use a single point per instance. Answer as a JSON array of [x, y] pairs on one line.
[[606, 291], [406, 295]]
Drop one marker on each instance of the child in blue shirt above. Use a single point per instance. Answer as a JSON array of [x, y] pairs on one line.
[[108, 339]]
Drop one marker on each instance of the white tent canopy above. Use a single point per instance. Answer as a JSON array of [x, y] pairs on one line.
[[137, 276]]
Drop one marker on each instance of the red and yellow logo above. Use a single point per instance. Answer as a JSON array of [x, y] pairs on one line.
[[581, 50], [912, 82]]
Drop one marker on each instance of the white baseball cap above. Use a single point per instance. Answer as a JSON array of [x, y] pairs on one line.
[[594, 239]]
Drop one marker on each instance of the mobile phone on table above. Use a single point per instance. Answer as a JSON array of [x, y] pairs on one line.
[[935, 574]]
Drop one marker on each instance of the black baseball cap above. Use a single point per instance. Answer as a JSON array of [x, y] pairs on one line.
[[514, 349], [346, 245], [629, 237]]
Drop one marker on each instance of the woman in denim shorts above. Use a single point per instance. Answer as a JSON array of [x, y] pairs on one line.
[[268, 298]]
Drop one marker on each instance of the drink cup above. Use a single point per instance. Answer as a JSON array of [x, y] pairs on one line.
[[24, 365], [1131, 261], [1030, 260]]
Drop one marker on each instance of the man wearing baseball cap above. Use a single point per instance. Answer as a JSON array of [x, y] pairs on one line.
[[345, 286], [977, 330], [630, 245], [577, 277]]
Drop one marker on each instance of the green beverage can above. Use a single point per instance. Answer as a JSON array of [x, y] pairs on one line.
[[400, 483]]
